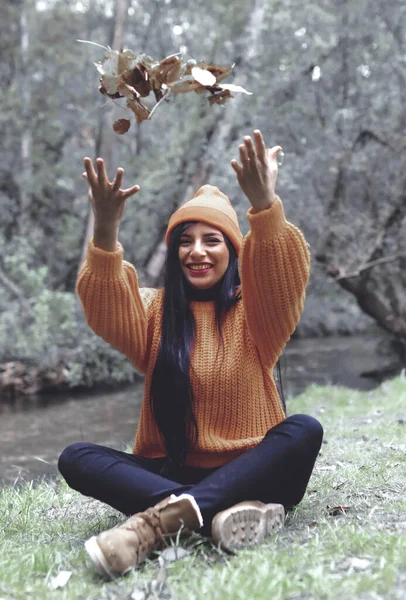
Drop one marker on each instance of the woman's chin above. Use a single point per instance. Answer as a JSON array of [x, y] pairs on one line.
[[201, 285]]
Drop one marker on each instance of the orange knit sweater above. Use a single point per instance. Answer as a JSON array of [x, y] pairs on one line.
[[235, 397]]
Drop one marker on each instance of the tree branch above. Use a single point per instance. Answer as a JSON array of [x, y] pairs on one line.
[[339, 274]]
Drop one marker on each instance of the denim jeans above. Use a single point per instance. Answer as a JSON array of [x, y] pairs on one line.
[[277, 470]]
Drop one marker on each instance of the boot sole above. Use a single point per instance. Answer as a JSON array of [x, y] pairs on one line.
[[98, 559], [243, 526]]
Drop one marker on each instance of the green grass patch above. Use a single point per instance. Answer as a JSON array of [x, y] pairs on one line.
[[355, 551]]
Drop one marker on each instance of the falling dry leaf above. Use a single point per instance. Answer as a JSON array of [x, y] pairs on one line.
[[121, 126], [219, 72], [187, 84], [138, 79], [220, 97], [203, 76], [234, 88], [168, 70], [131, 75], [127, 90], [109, 84], [125, 60], [140, 111]]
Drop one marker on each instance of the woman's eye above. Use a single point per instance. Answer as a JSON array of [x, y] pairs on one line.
[[209, 241]]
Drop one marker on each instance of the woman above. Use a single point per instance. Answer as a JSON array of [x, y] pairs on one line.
[[214, 451]]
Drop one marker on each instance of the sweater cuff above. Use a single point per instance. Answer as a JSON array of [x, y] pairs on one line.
[[269, 222], [103, 264]]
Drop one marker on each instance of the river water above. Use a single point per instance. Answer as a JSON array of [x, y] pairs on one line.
[[33, 434]]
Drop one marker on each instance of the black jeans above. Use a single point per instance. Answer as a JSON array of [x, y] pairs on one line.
[[277, 470]]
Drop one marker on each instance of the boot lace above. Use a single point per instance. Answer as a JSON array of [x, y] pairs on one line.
[[148, 530]]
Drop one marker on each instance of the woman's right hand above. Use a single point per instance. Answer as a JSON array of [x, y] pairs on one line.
[[108, 202]]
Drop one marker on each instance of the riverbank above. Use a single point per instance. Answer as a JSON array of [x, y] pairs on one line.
[[349, 360], [34, 431], [347, 539]]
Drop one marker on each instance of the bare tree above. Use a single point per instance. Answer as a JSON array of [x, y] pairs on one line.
[[26, 178], [365, 252]]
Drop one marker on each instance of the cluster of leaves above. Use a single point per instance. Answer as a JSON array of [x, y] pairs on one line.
[[134, 76]]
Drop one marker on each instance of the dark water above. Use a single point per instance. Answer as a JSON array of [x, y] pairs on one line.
[[32, 437]]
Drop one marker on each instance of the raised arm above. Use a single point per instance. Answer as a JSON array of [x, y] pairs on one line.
[[274, 258], [108, 203], [115, 307]]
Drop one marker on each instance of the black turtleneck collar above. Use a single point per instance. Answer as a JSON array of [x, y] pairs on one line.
[[196, 295]]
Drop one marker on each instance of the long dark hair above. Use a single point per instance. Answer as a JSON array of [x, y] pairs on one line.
[[171, 394]]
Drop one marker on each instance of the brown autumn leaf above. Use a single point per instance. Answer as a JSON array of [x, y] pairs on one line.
[[219, 97], [126, 61], [140, 111], [167, 71], [339, 509], [219, 73], [139, 79], [121, 126], [135, 75], [128, 91], [187, 84]]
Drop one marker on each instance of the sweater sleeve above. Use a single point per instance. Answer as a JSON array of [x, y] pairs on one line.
[[274, 267], [115, 307]]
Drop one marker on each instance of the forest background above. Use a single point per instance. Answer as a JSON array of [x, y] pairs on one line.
[[328, 81]]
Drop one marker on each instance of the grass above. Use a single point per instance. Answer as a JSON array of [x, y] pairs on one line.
[[357, 552]]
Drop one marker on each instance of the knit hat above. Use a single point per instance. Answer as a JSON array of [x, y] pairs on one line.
[[212, 207]]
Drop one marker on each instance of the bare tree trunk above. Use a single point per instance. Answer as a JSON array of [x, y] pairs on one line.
[[379, 290], [25, 179], [106, 139], [249, 48]]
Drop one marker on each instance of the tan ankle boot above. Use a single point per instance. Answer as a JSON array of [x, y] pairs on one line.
[[246, 524], [118, 550]]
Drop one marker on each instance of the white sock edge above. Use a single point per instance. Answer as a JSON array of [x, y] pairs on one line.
[[193, 502]]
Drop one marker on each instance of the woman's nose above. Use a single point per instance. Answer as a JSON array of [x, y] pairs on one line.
[[198, 248]]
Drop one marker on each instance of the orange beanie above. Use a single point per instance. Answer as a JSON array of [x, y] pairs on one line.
[[210, 206]]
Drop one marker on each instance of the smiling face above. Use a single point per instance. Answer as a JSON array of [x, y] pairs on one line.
[[203, 255]]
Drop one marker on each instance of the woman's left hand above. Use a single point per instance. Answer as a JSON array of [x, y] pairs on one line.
[[258, 171]]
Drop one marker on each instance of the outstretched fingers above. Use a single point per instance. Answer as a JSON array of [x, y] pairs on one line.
[[130, 191], [236, 166], [251, 153], [90, 173], [272, 154], [118, 180], [250, 148], [101, 173], [260, 145], [244, 156]]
